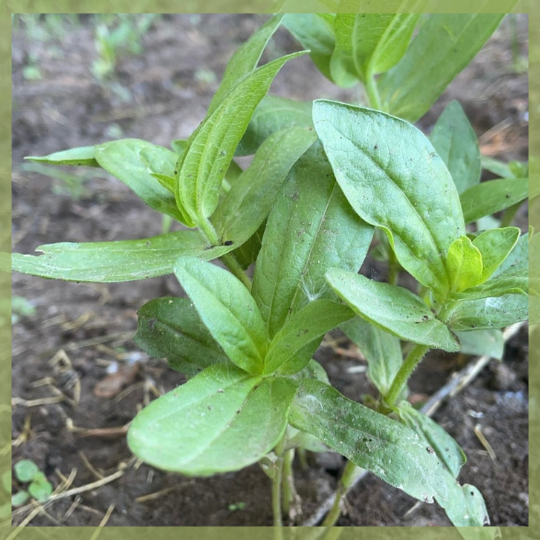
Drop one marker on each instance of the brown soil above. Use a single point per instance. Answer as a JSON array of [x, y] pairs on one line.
[[93, 324]]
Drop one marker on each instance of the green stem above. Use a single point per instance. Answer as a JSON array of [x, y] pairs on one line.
[[405, 371], [276, 485], [393, 268], [373, 92], [345, 482], [288, 481]]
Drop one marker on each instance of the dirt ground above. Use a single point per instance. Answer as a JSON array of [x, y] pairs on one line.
[[80, 331]]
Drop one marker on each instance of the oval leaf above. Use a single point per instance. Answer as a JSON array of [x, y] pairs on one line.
[[83, 156]]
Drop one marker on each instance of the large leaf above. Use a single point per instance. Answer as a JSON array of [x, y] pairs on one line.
[[310, 229], [289, 351], [212, 148], [394, 309], [393, 178], [82, 156], [273, 114], [222, 420], [392, 451], [253, 194], [110, 262], [455, 141], [133, 161], [227, 309], [314, 34], [171, 328], [381, 349], [493, 196], [445, 44], [244, 60]]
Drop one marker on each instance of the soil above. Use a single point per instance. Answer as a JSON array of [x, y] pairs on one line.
[[80, 331]]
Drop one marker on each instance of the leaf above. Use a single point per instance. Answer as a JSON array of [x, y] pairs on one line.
[[342, 63], [444, 45], [290, 350], [133, 161], [310, 229], [493, 196], [247, 253], [394, 309], [112, 262], [273, 114], [212, 148], [455, 141], [393, 179], [445, 447], [313, 33], [179, 146], [222, 420], [381, 349], [83, 156], [495, 245], [387, 448], [227, 310], [482, 342], [18, 499], [380, 40], [252, 196], [464, 263], [40, 488], [496, 167], [25, 470], [244, 60], [517, 262], [171, 328], [486, 313]]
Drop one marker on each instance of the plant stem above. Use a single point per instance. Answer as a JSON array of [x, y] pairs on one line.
[[393, 268], [276, 484], [344, 482], [373, 92], [288, 490], [405, 371]]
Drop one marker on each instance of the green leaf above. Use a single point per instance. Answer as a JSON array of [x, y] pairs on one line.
[[381, 349], [290, 350], [83, 156], [244, 60], [493, 196], [394, 309], [517, 262], [464, 263], [445, 447], [486, 313], [392, 451], [342, 63], [444, 45], [380, 40], [310, 229], [112, 262], [495, 245], [25, 470], [482, 342], [247, 253], [171, 328], [252, 196], [20, 498], [273, 114], [496, 167], [133, 161], [313, 33], [222, 420], [214, 143], [394, 179], [228, 311], [179, 146], [40, 488], [455, 141]]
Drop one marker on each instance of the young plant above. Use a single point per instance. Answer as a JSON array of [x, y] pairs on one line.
[[324, 176], [37, 485]]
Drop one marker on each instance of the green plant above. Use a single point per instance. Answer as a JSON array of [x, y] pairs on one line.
[[324, 176], [38, 487], [21, 307]]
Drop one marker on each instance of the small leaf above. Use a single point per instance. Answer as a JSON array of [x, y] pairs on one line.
[[179, 146], [444, 45], [228, 311], [273, 114], [83, 156], [214, 143], [20, 498], [392, 308], [381, 349], [289, 351], [495, 245], [496, 167], [25, 470], [493, 196], [112, 262], [171, 328], [393, 179], [464, 263], [482, 342], [222, 420], [455, 141], [40, 488]]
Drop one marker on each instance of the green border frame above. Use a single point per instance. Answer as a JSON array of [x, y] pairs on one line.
[[7, 7]]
